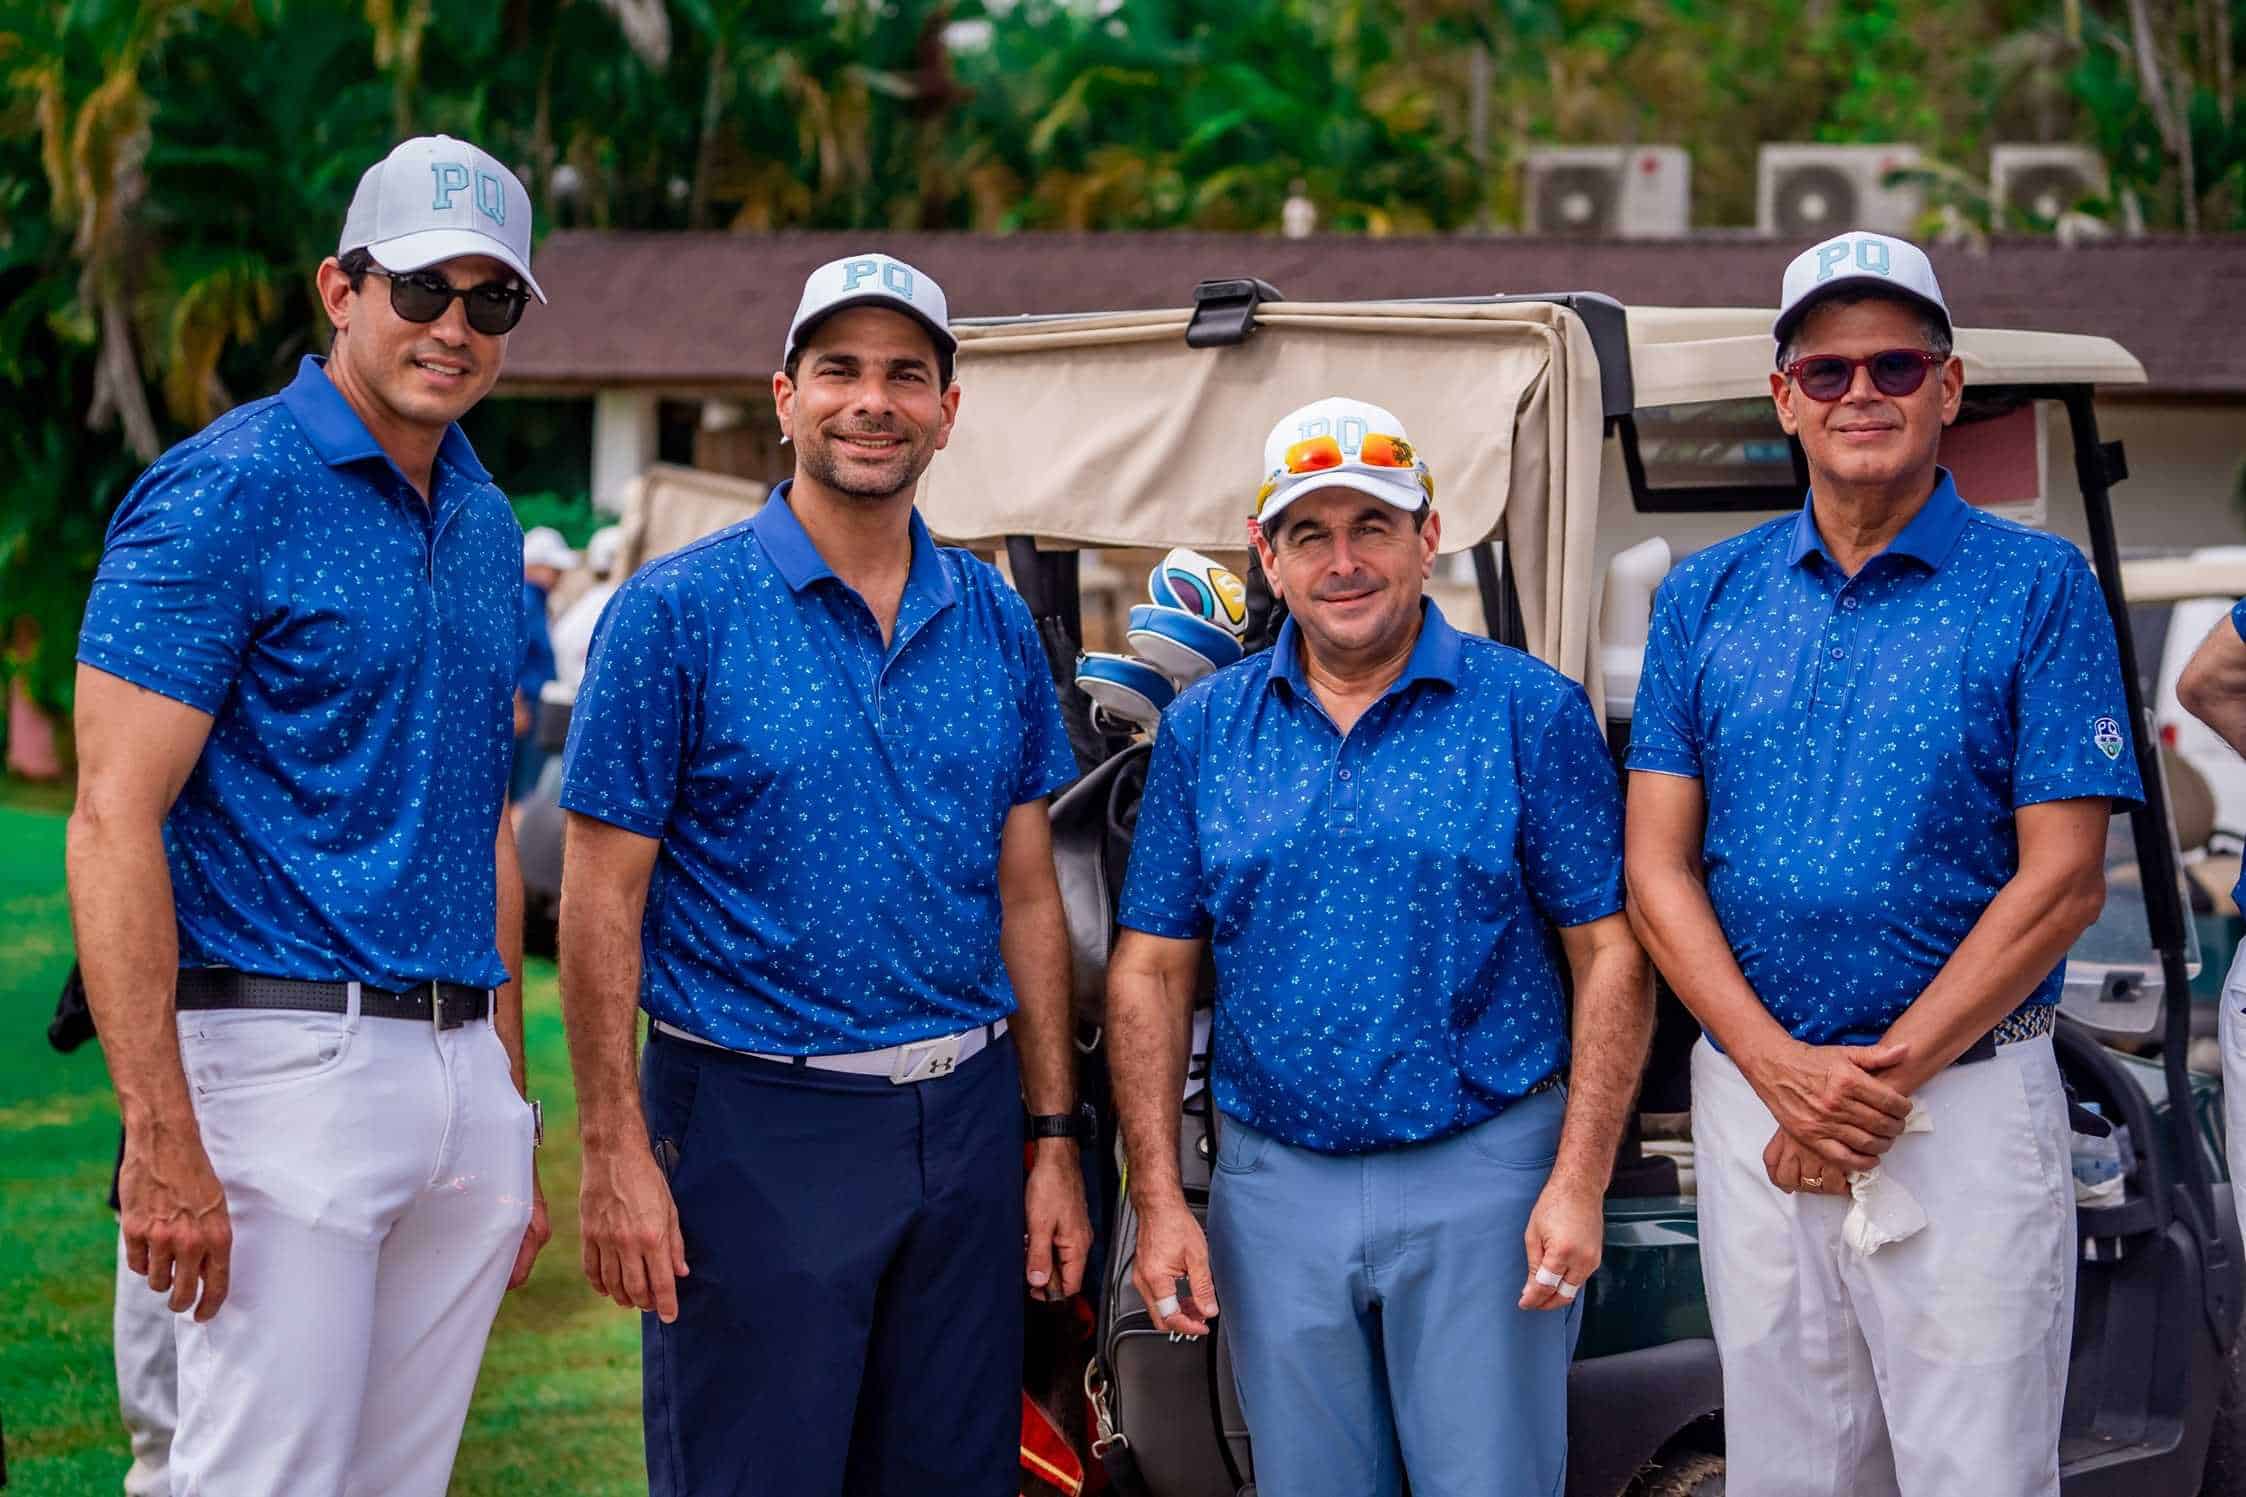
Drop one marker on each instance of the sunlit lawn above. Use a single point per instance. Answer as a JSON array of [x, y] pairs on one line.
[[557, 1409]]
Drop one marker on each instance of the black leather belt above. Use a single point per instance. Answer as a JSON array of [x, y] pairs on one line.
[[222, 987]]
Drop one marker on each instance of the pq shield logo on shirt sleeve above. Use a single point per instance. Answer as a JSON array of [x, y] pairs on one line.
[[2106, 734]]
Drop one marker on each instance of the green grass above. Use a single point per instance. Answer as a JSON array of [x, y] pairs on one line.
[[557, 1407]]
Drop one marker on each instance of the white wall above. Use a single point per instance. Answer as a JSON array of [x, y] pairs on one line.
[[624, 444]]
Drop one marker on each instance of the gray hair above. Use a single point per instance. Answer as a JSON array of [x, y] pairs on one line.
[[1935, 333]]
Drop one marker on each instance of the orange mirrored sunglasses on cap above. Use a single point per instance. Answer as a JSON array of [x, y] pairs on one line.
[[1319, 454]]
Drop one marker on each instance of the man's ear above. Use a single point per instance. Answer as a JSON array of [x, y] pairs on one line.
[[783, 402], [948, 403], [1953, 388], [1782, 396], [1265, 554], [1431, 533], [334, 288]]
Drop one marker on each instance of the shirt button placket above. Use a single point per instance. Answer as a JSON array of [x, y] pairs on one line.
[[1838, 640]]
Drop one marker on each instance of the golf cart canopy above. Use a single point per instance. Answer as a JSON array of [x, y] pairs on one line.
[[1111, 430], [1682, 355]]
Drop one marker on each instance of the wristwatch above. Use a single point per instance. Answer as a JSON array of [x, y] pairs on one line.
[[1082, 1125]]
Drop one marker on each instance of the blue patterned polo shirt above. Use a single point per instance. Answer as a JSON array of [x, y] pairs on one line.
[[1864, 742], [1379, 906], [356, 650], [830, 808]]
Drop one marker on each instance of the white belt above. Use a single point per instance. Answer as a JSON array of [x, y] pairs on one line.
[[915, 1060]]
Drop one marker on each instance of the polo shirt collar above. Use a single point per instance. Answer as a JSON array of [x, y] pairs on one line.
[[1933, 531], [800, 564], [340, 437], [1435, 655]]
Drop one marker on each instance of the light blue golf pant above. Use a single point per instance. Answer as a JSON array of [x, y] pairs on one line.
[[1371, 1302]]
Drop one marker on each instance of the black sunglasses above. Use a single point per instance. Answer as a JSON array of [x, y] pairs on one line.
[[422, 296], [1896, 372]]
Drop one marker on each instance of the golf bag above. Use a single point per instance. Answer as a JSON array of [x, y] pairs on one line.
[[1166, 1418]]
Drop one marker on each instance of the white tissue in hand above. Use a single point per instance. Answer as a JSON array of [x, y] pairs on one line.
[[1883, 1211]]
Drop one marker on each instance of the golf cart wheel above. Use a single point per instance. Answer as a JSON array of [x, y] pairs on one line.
[[1691, 1473], [2224, 1475]]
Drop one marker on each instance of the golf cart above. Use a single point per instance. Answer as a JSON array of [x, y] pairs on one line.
[[1578, 446]]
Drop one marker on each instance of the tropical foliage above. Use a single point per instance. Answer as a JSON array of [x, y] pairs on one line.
[[171, 170]]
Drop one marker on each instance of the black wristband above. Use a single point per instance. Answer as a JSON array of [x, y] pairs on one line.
[[1080, 1125]]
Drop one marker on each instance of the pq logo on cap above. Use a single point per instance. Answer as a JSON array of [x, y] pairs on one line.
[[2106, 734], [452, 179], [895, 276], [1870, 255]]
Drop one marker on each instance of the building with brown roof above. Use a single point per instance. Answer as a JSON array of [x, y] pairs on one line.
[[674, 337]]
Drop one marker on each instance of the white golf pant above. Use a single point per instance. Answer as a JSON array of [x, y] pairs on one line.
[[2233, 1030], [147, 1378], [378, 1176], [1933, 1367]]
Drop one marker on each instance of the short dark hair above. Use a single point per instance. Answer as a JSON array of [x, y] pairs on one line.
[[356, 263], [1937, 331]]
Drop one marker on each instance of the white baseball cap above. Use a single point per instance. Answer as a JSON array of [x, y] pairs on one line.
[[543, 546], [434, 199], [1349, 423], [604, 550], [873, 280], [1857, 260]]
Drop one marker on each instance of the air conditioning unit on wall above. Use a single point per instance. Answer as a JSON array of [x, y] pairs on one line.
[[1608, 192], [1814, 192], [2036, 184]]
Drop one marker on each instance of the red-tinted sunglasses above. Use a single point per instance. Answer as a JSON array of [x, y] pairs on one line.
[[1895, 372]]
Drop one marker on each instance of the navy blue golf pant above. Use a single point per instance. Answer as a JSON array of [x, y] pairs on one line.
[[851, 1322]]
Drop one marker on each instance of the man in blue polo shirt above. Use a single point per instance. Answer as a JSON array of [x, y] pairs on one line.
[[806, 784], [294, 893], [1389, 835], [2213, 689], [1876, 747]]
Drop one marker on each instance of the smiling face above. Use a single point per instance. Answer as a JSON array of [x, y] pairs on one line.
[[418, 376], [863, 406], [1351, 570], [1867, 439]]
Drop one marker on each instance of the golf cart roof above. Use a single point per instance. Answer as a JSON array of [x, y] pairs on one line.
[[1684, 354], [2209, 572], [1106, 429], [1109, 430], [1113, 430]]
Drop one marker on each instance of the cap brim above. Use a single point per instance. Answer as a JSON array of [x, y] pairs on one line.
[[1407, 496], [1787, 319], [946, 343], [409, 252]]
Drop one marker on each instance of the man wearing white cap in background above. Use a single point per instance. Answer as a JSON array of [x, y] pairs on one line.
[[1388, 835], [295, 896], [1876, 747], [806, 783], [546, 555], [2213, 689], [573, 631]]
